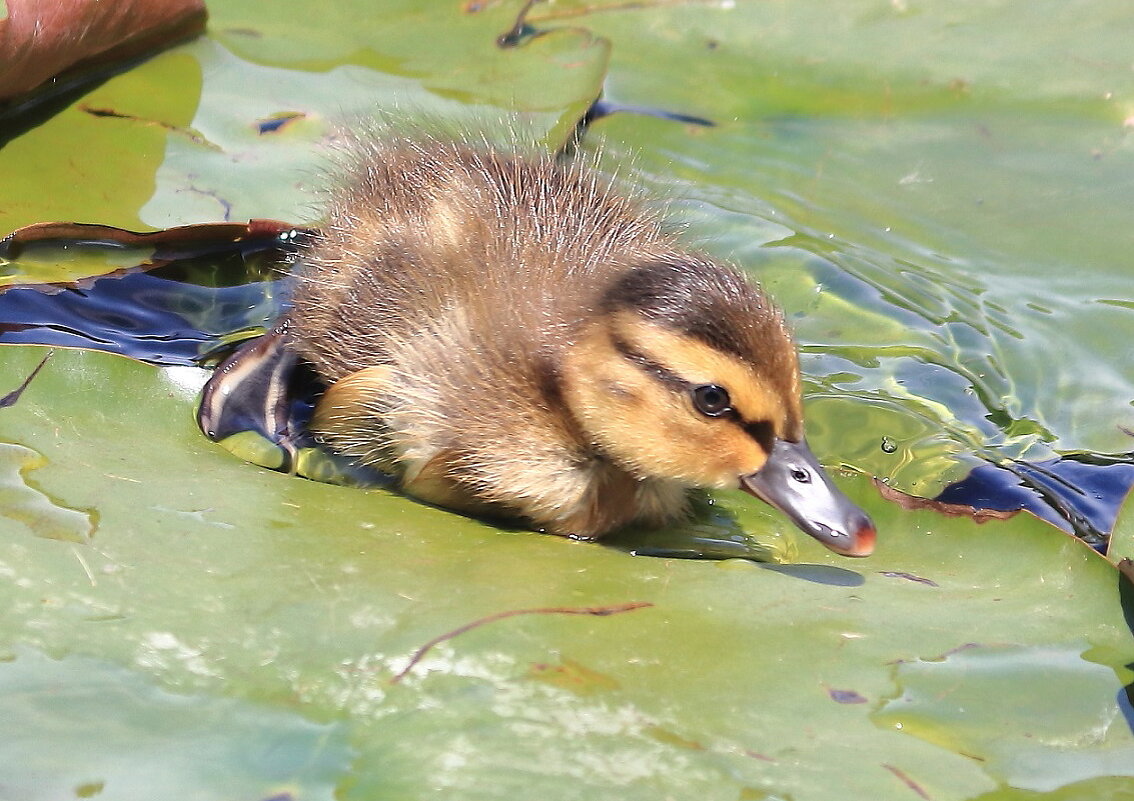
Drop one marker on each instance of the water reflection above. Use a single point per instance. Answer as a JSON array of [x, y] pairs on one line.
[[144, 316], [167, 298]]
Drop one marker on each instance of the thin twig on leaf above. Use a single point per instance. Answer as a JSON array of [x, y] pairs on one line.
[[599, 611]]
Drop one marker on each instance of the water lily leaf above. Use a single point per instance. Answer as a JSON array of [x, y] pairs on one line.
[[1122, 537], [21, 502], [122, 151], [131, 740], [69, 253], [1112, 788], [330, 76], [1062, 725], [736, 680], [12, 397], [402, 41]]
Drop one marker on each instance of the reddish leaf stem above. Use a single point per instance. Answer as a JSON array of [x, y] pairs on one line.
[[599, 611], [908, 782], [13, 396]]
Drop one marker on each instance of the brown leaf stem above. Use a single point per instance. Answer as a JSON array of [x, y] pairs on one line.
[[13, 396], [599, 611], [908, 782]]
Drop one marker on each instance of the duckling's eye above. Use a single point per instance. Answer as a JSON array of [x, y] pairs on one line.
[[711, 400]]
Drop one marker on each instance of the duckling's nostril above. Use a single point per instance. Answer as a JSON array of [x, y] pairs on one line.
[[800, 475], [826, 533]]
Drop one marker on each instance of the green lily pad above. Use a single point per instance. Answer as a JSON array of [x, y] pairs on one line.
[[1058, 728], [23, 503], [78, 160], [58, 266], [1122, 537], [736, 679], [560, 71], [125, 739]]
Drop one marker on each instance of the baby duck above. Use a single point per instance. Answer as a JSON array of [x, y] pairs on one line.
[[511, 336]]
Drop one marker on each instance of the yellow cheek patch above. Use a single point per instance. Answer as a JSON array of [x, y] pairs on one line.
[[753, 397], [715, 452], [649, 428]]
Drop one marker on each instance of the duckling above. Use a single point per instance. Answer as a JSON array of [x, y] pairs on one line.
[[509, 335]]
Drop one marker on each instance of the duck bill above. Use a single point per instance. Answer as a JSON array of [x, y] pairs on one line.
[[793, 481]]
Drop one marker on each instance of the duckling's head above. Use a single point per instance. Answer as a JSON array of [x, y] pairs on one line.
[[687, 372]]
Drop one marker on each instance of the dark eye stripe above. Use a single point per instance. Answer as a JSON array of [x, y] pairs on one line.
[[763, 432], [760, 430], [658, 371]]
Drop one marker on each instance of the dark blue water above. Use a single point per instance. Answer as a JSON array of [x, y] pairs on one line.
[[140, 315], [1080, 493], [186, 297]]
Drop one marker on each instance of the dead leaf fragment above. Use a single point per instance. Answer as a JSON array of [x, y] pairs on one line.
[[42, 42], [914, 503]]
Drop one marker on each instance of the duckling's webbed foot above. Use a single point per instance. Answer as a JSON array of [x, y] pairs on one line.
[[256, 406], [246, 398]]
